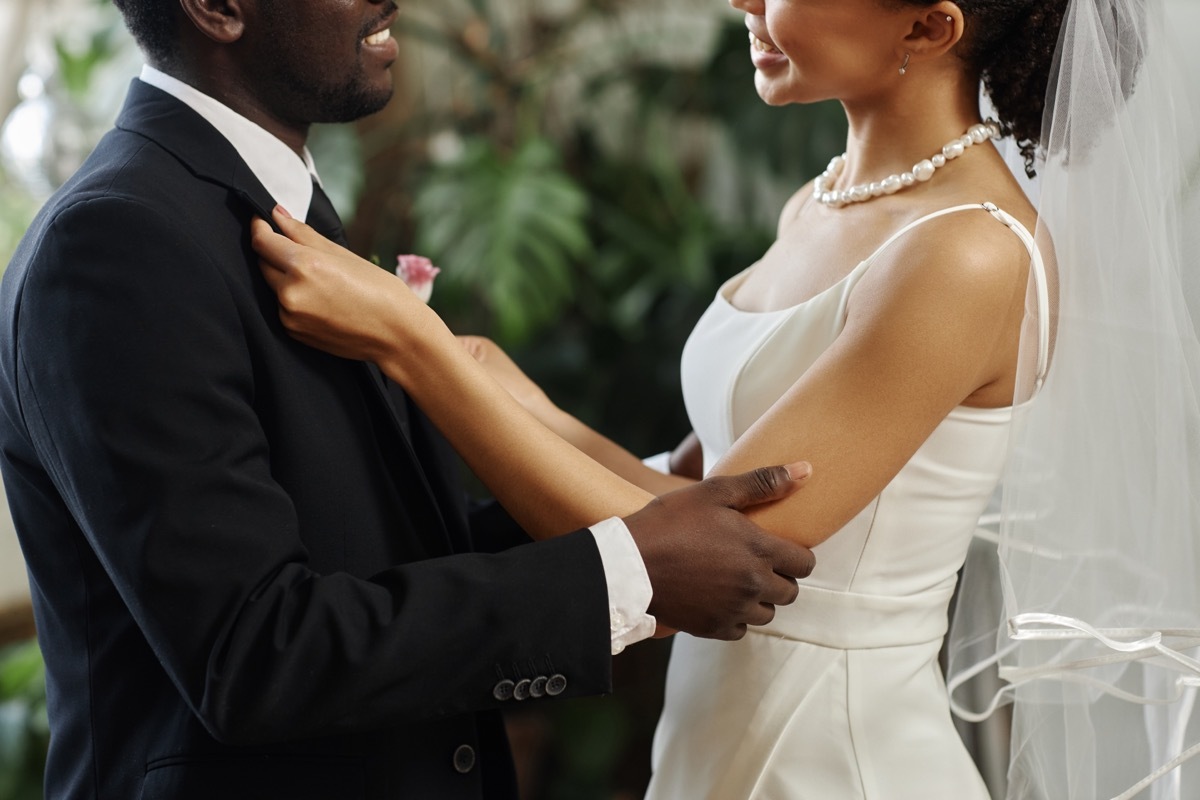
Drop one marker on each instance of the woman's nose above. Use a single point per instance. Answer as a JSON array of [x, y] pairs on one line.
[[752, 7]]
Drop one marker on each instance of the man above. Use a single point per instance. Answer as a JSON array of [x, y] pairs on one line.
[[253, 573]]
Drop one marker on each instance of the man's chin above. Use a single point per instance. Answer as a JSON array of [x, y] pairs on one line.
[[352, 105]]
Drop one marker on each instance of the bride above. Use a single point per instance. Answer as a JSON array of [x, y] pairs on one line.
[[896, 336]]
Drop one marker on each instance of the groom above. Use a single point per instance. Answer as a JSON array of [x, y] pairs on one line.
[[253, 572]]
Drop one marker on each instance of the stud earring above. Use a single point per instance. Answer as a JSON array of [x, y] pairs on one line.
[[904, 66]]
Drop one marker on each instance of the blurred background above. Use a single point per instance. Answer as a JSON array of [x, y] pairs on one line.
[[585, 172]]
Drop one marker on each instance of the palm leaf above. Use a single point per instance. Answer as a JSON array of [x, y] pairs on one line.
[[512, 227]]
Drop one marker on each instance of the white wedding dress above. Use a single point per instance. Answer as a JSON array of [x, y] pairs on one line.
[[841, 696]]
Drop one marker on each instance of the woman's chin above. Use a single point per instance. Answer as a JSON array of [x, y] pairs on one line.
[[777, 93], [772, 94]]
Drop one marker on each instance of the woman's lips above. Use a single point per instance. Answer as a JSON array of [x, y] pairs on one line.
[[764, 54]]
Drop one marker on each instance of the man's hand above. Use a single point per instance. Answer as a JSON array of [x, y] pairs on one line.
[[713, 570]]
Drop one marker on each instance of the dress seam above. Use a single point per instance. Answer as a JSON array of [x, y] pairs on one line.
[[850, 726], [862, 551]]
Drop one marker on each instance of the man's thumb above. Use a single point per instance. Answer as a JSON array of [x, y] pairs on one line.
[[765, 484]]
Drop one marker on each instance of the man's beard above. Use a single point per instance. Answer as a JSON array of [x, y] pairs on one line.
[[354, 99]]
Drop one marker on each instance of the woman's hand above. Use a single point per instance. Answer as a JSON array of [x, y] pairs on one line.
[[505, 371], [331, 299]]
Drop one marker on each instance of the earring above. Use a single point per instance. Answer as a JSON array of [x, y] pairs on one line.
[[904, 66]]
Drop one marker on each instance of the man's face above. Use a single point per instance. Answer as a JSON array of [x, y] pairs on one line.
[[322, 60]]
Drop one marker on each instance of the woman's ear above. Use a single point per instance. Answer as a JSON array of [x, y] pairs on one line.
[[935, 31], [223, 21]]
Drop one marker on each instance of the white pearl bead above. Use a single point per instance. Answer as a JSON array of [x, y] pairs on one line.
[[953, 150], [978, 134], [859, 193], [967, 141], [924, 171], [939, 160], [827, 198], [907, 179], [892, 184], [876, 188]]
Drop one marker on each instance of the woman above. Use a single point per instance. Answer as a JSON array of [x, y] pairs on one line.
[[888, 337]]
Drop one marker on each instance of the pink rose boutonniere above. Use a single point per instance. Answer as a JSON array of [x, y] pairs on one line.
[[418, 272]]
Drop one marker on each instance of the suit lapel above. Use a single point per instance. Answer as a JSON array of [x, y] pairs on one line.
[[175, 127]]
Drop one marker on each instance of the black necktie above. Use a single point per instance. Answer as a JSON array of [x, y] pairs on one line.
[[323, 218]]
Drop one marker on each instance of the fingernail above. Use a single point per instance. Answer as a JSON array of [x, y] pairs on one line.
[[799, 471], [283, 212]]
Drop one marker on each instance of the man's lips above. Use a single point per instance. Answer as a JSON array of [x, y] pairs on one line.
[[379, 38], [381, 31]]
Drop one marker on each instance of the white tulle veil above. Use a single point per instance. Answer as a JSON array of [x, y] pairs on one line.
[[1098, 520]]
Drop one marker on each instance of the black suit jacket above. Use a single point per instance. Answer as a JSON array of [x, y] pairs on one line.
[[249, 582]]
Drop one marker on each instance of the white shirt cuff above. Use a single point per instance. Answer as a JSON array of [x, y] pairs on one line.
[[629, 590]]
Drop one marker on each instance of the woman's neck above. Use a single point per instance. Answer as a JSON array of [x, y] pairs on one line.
[[890, 135]]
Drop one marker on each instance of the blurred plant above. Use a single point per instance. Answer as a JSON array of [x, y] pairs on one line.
[[587, 174], [71, 87], [77, 67], [509, 226], [16, 212], [24, 728]]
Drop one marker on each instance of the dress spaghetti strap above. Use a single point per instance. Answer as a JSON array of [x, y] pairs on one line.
[[1038, 267]]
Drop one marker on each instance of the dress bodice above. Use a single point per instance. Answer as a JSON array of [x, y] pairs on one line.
[[898, 558]]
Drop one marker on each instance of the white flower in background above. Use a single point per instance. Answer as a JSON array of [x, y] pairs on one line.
[[446, 147], [418, 272]]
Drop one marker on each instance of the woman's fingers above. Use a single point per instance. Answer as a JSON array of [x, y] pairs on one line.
[[301, 233], [277, 252]]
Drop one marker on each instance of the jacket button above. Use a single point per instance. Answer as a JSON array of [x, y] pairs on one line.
[[538, 687], [521, 690], [503, 690], [464, 759], [556, 685]]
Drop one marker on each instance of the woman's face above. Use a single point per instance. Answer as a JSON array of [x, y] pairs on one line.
[[810, 50]]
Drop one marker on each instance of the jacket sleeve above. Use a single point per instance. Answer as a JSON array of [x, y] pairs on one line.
[[137, 391], [493, 530]]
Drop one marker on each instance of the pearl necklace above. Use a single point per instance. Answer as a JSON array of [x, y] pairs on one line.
[[825, 194]]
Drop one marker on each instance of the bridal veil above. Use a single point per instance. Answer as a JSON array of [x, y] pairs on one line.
[[1098, 517]]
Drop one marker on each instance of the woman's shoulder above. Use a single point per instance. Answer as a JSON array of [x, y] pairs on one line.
[[791, 209], [969, 258]]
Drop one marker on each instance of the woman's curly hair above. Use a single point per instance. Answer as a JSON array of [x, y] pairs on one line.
[[1012, 44]]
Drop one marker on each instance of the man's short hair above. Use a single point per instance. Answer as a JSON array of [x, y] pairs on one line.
[[152, 23]]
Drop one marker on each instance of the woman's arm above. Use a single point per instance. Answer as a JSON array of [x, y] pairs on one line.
[[594, 444], [333, 300], [687, 459], [933, 324]]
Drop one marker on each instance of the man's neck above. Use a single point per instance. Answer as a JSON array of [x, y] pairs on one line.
[[233, 94]]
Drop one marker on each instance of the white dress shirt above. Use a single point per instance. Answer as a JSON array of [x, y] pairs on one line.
[[288, 177]]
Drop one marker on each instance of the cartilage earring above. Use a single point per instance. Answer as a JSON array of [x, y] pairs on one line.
[[904, 66]]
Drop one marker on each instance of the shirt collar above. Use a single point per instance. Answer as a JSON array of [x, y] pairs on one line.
[[286, 176]]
